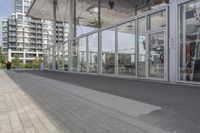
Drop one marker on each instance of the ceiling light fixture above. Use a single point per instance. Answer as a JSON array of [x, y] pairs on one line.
[[111, 4]]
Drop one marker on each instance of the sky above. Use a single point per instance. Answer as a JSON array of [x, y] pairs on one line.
[[6, 8]]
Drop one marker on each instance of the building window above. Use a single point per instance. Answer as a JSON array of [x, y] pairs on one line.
[[141, 47], [82, 54], [20, 17], [189, 41], [18, 8], [18, 2], [126, 49], [157, 20], [93, 53], [108, 51]]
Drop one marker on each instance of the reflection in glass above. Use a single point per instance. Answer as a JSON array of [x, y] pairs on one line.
[[65, 54], [126, 49], [108, 51], [59, 59], [82, 54], [156, 55], [157, 20], [189, 65], [147, 5], [46, 59], [74, 55], [50, 58], [93, 53], [112, 11], [141, 47], [115, 11]]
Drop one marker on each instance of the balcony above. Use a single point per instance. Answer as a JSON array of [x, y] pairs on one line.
[[33, 41], [39, 31], [39, 26], [40, 37], [39, 42], [33, 26], [12, 23], [20, 46], [20, 29], [33, 31], [12, 40], [12, 35], [12, 28], [12, 45], [33, 36]]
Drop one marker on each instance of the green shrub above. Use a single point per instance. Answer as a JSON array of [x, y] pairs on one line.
[[36, 63], [2, 66], [15, 62], [28, 66]]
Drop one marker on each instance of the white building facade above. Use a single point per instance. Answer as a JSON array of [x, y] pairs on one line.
[[26, 37], [156, 40]]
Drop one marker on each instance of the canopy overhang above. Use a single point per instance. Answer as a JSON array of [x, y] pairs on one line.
[[86, 11], [43, 9]]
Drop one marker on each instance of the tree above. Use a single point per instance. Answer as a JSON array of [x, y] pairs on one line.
[[2, 57], [16, 61], [36, 63]]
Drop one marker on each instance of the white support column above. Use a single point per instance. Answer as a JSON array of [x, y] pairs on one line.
[[63, 58], [37, 54], [9, 55], [54, 35], [173, 43], [116, 51], [24, 56], [99, 40], [99, 54], [87, 55], [136, 47], [71, 33]]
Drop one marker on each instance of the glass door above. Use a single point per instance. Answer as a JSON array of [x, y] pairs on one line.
[[156, 55]]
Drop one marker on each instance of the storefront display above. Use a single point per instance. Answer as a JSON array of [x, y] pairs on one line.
[[189, 22]]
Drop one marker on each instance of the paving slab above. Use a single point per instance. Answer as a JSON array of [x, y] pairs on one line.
[[13, 116], [53, 106]]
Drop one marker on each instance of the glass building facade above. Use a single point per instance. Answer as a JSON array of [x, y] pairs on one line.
[[157, 42], [189, 41]]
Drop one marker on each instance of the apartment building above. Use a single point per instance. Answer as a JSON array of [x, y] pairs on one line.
[[26, 37]]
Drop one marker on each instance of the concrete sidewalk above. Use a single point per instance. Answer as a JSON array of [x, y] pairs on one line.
[[32, 103], [18, 111], [180, 103]]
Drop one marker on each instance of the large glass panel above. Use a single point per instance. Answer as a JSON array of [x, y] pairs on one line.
[[141, 47], [189, 33], [93, 53], [59, 58], [74, 56], [108, 51], [65, 54], [46, 59], [82, 54], [126, 49], [156, 55], [157, 20], [50, 58]]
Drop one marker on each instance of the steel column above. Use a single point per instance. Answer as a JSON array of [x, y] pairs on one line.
[[173, 59], [71, 33], [54, 35]]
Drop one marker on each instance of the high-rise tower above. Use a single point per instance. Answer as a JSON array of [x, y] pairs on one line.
[[26, 37]]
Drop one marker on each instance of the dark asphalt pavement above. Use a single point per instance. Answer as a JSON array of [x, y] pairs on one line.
[[180, 103]]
